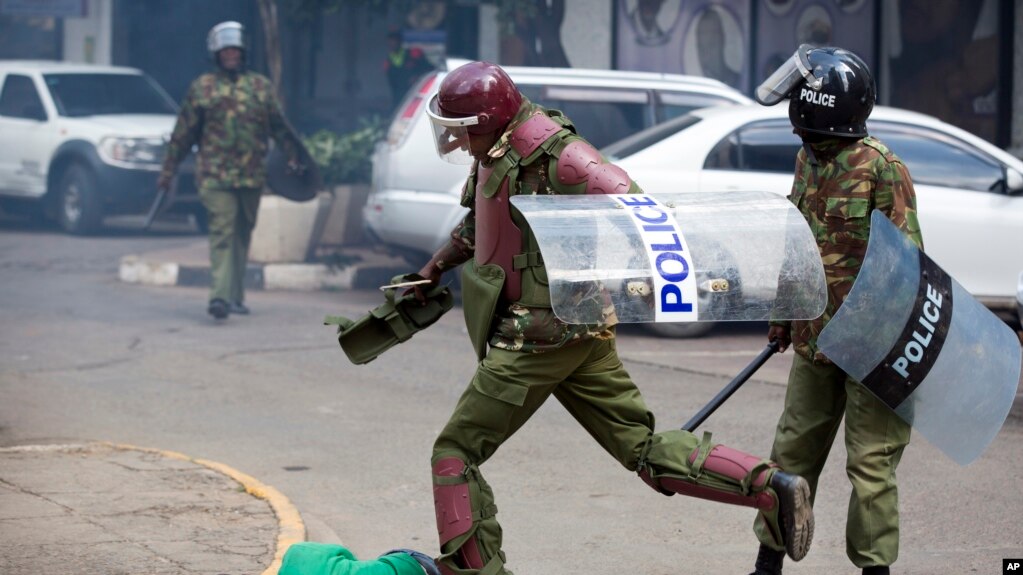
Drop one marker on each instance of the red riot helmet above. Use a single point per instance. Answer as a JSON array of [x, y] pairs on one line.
[[830, 90], [483, 90], [476, 99]]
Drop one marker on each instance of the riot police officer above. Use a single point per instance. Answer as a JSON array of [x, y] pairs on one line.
[[527, 354], [842, 175], [230, 113]]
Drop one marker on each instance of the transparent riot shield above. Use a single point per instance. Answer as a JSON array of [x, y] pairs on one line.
[[924, 346], [676, 257]]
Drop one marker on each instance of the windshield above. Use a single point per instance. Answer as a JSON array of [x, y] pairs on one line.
[[78, 95], [641, 140]]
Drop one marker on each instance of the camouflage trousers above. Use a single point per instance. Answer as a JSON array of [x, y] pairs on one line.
[[817, 398], [232, 216], [588, 379]]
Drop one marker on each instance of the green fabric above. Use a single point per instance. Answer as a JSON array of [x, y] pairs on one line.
[[396, 320], [230, 117], [309, 558], [481, 290], [817, 398], [588, 379], [232, 216]]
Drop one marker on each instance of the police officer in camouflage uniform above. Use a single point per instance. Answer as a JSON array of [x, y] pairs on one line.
[[527, 354], [842, 174], [230, 114]]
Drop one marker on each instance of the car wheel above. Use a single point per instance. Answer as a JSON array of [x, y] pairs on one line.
[[79, 209], [202, 220]]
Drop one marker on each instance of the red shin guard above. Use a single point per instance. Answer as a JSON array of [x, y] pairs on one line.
[[454, 510]]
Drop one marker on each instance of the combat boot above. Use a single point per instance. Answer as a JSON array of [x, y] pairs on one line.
[[795, 513], [218, 308], [768, 562]]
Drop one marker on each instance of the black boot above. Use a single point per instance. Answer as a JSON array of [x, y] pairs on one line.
[[795, 514], [768, 561], [218, 308], [876, 570]]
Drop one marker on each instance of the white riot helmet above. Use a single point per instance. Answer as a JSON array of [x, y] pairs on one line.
[[225, 35]]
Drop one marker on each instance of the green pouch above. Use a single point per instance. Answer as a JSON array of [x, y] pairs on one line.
[[396, 320], [481, 290]]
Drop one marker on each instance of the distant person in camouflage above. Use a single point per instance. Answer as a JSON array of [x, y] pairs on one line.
[[230, 114], [842, 174], [527, 354]]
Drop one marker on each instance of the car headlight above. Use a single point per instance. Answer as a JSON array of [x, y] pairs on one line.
[[139, 153]]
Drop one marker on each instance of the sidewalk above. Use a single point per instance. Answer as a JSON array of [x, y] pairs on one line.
[[99, 508], [353, 267]]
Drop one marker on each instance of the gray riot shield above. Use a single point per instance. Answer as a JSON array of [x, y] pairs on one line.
[[676, 257], [298, 185], [924, 346]]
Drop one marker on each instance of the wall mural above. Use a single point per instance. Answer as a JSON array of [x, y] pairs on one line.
[[699, 37]]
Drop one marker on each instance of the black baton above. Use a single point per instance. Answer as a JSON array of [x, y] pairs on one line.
[[732, 386], [155, 209]]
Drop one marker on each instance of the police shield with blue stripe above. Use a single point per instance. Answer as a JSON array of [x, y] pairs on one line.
[[637, 258]]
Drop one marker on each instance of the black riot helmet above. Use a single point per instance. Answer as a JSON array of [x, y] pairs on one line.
[[830, 91]]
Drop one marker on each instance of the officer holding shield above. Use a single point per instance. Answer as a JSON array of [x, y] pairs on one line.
[[229, 114], [527, 354], [842, 175]]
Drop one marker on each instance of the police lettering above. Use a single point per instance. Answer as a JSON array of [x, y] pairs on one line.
[[815, 97], [662, 236], [914, 350]]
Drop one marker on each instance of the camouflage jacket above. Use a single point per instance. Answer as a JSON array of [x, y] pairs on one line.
[[517, 327], [230, 117], [852, 180]]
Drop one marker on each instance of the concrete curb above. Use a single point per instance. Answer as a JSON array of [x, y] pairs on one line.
[[291, 530], [279, 276]]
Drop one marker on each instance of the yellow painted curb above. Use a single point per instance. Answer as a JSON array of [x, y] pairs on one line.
[[291, 530]]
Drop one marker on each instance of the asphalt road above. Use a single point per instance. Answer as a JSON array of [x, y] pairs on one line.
[[84, 357]]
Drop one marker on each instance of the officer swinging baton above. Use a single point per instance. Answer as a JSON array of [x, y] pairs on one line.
[[732, 386]]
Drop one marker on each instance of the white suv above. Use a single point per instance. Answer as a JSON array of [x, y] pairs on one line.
[[79, 142], [414, 202]]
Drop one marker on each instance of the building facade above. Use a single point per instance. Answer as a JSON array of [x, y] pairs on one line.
[[959, 60]]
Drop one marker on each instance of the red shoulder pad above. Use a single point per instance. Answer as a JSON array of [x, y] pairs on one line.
[[581, 162]]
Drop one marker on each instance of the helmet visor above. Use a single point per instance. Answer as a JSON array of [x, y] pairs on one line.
[[226, 37], [451, 135], [787, 77]]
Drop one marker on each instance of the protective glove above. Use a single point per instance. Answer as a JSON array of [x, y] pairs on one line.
[[782, 333]]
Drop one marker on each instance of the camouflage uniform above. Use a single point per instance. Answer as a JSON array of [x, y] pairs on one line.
[[533, 355], [853, 178], [230, 116]]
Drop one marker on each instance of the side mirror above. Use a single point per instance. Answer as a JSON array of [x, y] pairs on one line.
[[1013, 182]]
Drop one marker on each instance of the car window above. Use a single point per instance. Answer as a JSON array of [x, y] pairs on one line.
[[675, 104], [19, 99], [937, 159], [600, 115], [648, 137], [99, 94], [758, 147]]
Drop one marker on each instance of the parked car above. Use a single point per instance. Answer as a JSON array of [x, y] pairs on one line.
[[79, 142], [969, 192], [414, 200]]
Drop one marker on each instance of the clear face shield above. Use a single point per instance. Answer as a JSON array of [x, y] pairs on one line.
[[226, 35], [451, 135], [788, 76]]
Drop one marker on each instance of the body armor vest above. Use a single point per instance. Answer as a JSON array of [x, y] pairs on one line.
[[498, 239]]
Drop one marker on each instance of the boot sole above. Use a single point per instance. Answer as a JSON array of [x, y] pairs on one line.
[[796, 515]]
